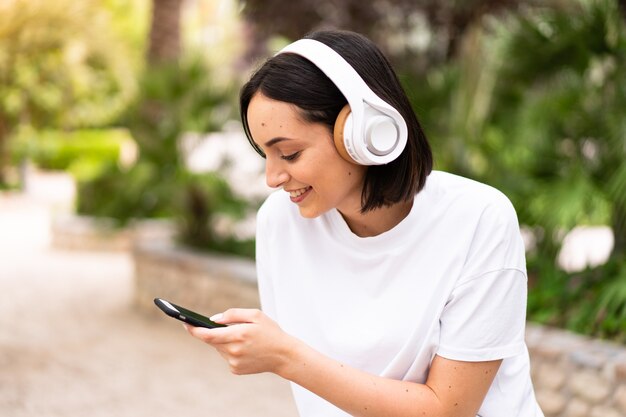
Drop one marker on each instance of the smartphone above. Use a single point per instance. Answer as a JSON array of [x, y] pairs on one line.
[[185, 315]]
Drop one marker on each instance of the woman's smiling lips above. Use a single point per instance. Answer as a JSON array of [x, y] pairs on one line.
[[300, 194]]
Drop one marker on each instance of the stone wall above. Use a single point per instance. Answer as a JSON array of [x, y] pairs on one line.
[[71, 232], [574, 376], [203, 282]]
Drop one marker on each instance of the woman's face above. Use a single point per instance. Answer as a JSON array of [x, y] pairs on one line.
[[302, 159]]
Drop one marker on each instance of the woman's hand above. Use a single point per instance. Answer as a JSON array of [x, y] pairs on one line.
[[252, 343]]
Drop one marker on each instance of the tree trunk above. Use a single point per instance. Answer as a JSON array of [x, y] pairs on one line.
[[4, 157], [165, 31]]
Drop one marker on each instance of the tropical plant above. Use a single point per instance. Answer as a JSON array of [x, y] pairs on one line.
[[567, 129], [60, 67], [536, 109], [402, 28], [175, 98], [82, 152]]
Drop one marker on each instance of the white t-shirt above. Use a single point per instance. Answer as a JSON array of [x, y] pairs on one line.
[[450, 279]]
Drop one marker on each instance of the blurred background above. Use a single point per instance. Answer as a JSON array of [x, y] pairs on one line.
[[121, 111]]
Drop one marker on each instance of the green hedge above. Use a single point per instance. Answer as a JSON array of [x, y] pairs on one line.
[[84, 153]]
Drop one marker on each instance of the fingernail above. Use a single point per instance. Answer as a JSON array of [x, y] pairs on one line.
[[216, 317]]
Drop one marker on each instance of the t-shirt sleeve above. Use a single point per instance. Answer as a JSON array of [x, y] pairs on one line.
[[485, 315], [484, 318]]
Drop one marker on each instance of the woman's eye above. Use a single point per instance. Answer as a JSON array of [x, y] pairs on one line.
[[291, 157]]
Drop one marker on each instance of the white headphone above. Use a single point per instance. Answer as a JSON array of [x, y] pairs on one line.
[[368, 131]]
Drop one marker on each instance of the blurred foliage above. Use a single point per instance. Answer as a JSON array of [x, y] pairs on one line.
[[415, 34], [591, 302], [206, 197], [60, 67], [560, 115], [174, 98], [85, 153], [534, 105], [129, 21], [526, 96]]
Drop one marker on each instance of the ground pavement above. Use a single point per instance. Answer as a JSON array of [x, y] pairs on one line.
[[73, 345]]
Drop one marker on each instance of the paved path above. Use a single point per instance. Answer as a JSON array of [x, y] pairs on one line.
[[72, 344]]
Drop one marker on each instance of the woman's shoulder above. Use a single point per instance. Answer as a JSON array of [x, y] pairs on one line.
[[468, 201], [486, 217], [465, 192]]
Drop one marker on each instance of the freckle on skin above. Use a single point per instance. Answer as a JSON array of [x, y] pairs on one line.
[[262, 123], [455, 404]]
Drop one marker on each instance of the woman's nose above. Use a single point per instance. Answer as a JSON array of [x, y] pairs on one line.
[[275, 174]]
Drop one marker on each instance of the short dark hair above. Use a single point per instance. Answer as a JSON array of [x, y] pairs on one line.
[[293, 79]]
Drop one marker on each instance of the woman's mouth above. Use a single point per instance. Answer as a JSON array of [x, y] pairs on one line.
[[300, 194]]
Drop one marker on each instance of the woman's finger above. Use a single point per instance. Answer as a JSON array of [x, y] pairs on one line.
[[219, 335], [238, 315]]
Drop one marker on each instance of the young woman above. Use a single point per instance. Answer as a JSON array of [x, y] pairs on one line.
[[388, 289]]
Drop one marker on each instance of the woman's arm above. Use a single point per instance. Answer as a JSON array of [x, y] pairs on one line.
[[453, 388], [257, 344]]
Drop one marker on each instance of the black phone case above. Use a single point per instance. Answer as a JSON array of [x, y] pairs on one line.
[[183, 315]]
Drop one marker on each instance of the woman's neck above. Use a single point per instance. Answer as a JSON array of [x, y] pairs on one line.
[[377, 221]]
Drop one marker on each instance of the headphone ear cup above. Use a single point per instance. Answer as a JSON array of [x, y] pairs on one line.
[[338, 133]]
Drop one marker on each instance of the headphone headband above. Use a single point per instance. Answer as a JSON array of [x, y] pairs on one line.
[[358, 94]]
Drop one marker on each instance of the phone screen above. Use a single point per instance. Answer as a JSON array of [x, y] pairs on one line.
[[185, 315]]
